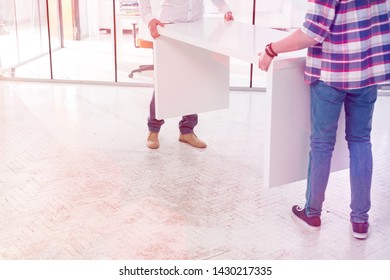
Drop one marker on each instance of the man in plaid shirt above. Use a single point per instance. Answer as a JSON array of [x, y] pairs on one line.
[[348, 56]]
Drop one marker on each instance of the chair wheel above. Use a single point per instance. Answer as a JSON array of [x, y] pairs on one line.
[[131, 75]]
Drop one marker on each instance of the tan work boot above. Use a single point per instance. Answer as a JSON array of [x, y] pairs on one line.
[[152, 141], [193, 140]]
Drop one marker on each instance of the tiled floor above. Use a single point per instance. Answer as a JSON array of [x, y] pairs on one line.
[[77, 182]]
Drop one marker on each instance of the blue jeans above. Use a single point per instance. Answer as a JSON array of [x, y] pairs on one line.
[[186, 125], [326, 105]]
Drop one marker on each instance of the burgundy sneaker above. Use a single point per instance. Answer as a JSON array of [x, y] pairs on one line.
[[360, 230], [312, 223]]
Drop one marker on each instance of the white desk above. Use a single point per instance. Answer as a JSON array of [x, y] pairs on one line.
[[192, 76]]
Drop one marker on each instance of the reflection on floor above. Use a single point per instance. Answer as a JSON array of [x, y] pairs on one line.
[[77, 182]]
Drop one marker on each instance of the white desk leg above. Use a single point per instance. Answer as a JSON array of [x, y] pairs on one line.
[[189, 79], [287, 142]]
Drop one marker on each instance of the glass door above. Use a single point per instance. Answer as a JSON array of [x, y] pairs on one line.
[[87, 45], [24, 39], [134, 49], [9, 56]]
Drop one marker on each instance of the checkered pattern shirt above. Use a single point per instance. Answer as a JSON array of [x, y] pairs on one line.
[[354, 42]]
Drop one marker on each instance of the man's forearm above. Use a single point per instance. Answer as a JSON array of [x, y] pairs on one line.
[[295, 41]]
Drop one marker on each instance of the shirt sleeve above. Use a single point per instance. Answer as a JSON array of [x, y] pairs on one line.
[[222, 6], [319, 17], [146, 11]]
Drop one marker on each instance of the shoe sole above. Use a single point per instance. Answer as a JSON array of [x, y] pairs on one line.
[[186, 142], [360, 236], [303, 223], [153, 146]]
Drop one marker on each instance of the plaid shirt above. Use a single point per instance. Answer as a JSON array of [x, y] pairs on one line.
[[354, 42]]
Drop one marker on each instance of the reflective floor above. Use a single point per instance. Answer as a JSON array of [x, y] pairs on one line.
[[78, 182]]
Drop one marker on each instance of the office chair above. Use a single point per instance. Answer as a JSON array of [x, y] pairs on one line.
[[141, 43]]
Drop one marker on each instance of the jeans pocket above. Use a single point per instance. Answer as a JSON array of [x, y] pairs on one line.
[[327, 93]]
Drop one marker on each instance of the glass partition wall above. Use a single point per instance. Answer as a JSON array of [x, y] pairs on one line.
[[95, 40], [24, 39], [56, 39], [87, 41]]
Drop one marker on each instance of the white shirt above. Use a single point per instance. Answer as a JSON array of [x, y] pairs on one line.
[[177, 11]]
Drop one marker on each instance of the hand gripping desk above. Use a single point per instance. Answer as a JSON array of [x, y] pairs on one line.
[[192, 76]]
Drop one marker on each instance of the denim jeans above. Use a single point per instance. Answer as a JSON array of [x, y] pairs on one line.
[[186, 125], [326, 105]]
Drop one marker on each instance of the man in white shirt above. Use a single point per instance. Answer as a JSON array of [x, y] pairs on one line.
[[176, 11]]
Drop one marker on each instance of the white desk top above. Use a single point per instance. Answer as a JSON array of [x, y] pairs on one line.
[[220, 36]]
